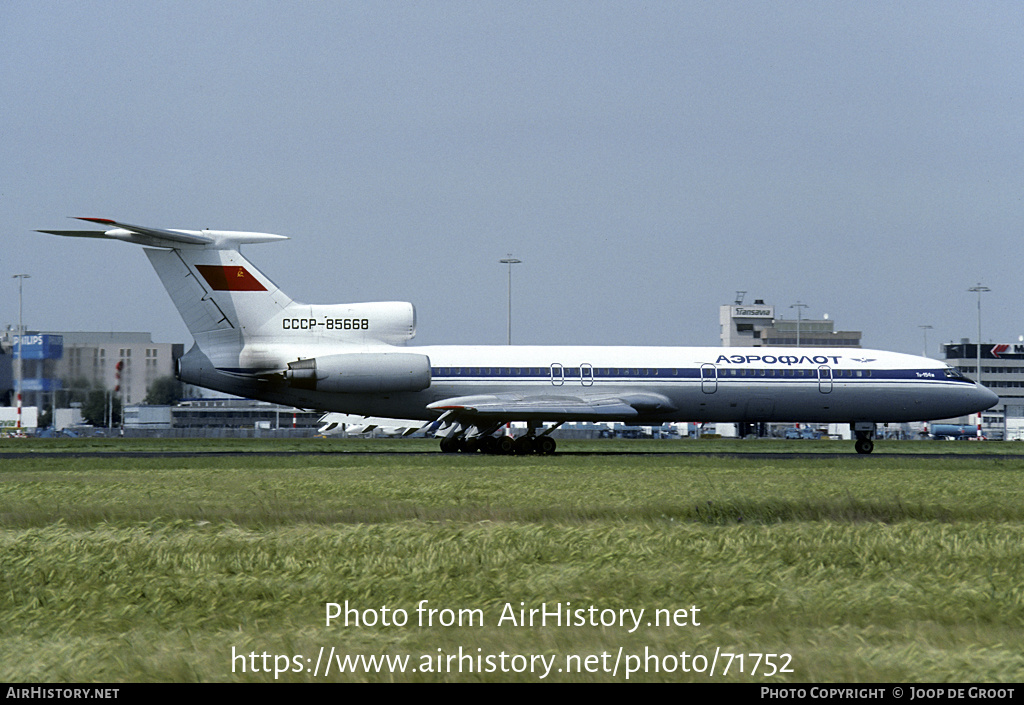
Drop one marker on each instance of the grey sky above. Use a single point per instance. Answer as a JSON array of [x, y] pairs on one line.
[[644, 160]]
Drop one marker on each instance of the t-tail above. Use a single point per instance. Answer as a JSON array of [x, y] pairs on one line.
[[246, 328]]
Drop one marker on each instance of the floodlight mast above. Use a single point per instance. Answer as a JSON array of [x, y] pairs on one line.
[[799, 306], [510, 260], [979, 289], [21, 334]]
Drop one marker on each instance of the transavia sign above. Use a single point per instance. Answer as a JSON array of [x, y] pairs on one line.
[[753, 311]]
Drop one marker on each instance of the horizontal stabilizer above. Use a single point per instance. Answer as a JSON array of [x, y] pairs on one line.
[[160, 237]]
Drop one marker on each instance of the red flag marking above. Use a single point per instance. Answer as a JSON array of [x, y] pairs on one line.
[[232, 278]]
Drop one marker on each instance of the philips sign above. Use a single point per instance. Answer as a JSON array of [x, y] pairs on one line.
[[39, 347]]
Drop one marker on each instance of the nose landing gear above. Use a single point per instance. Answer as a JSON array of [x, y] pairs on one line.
[[864, 432]]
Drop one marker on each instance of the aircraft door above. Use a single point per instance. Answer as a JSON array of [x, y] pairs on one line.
[[824, 379], [708, 378], [587, 374], [557, 374]]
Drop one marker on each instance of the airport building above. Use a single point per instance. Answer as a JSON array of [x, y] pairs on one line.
[[54, 362], [1002, 371], [39, 355], [220, 417], [6, 375], [92, 358], [755, 325]]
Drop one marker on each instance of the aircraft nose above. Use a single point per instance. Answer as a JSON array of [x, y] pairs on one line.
[[986, 396]]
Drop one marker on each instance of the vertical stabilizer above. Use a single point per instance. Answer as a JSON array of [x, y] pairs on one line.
[[220, 295]]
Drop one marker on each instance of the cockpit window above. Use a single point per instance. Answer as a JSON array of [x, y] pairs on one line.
[[953, 373]]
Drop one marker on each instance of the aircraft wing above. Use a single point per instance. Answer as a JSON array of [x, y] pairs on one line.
[[555, 407]]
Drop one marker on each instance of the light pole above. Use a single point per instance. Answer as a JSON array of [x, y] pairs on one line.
[[799, 310], [980, 290], [925, 329], [510, 260], [21, 334]]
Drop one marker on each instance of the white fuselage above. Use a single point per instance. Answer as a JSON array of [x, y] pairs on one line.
[[697, 384]]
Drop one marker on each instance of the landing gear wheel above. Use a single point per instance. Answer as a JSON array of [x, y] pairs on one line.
[[546, 445], [449, 445], [504, 445], [864, 445]]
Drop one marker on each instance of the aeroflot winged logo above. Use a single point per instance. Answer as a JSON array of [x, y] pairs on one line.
[[222, 278]]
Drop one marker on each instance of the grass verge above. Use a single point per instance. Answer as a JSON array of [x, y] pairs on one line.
[[177, 569]]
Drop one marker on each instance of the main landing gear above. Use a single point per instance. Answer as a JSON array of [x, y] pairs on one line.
[[472, 439], [864, 432]]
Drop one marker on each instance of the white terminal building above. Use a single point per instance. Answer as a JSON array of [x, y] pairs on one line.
[[755, 325], [54, 364], [56, 361], [93, 357]]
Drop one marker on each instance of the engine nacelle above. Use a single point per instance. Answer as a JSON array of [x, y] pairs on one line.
[[361, 373], [389, 322]]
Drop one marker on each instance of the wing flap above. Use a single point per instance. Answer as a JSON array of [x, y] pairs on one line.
[[553, 407]]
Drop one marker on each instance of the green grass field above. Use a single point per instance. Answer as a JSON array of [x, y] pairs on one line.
[[869, 569]]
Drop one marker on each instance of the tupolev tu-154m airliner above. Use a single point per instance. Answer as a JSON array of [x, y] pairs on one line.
[[252, 340]]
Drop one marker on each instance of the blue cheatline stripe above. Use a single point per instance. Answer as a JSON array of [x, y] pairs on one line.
[[670, 374], [722, 374]]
